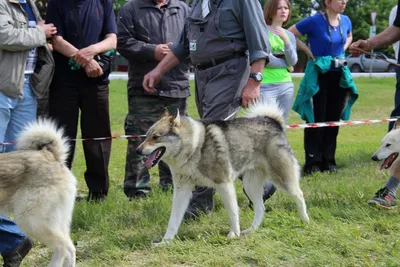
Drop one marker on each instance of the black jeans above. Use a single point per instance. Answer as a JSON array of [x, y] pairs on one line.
[[64, 105], [329, 103]]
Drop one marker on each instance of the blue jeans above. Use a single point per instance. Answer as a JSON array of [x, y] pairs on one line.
[[14, 114]]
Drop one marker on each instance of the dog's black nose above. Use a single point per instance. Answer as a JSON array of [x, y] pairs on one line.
[[375, 158], [139, 151]]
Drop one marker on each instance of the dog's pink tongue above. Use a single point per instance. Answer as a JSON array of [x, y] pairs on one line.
[[387, 162], [149, 161]]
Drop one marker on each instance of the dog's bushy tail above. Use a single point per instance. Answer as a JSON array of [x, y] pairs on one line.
[[44, 134], [266, 108]]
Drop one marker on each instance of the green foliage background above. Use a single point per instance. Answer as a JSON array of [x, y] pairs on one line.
[[359, 12]]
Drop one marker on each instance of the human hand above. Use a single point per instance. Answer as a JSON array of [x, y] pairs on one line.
[[356, 46], [49, 29], [161, 51], [93, 69], [250, 93], [282, 34], [150, 80], [290, 68], [309, 54], [85, 55], [50, 46]]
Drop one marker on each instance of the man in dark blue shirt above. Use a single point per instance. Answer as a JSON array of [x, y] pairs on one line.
[[86, 88]]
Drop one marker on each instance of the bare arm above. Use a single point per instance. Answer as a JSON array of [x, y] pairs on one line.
[[385, 38], [63, 47], [85, 55], [349, 40], [300, 45]]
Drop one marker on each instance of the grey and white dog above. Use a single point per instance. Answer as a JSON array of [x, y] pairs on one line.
[[39, 190], [215, 153]]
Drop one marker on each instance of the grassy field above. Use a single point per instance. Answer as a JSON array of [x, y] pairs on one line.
[[344, 230]]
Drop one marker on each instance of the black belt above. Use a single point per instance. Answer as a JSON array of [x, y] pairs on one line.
[[218, 61]]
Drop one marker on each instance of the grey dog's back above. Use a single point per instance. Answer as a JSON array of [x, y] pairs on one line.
[[258, 139]]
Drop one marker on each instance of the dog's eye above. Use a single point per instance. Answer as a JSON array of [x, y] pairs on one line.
[[156, 137], [388, 145]]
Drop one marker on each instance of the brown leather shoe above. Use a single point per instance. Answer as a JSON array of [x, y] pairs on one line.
[[15, 258]]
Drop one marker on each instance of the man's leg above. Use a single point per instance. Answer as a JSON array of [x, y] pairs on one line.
[[214, 99], [14, 114], [95, 122], [22, 113], [64, 109], [144, 110], [10, 236], [386, 196]]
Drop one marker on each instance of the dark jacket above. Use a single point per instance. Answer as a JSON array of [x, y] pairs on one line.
[[141, 27]]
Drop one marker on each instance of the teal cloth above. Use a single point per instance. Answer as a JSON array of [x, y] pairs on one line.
[[309, 87]]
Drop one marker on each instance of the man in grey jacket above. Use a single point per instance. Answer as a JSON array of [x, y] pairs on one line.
[[146, 29], [227, 42], [20, 35]]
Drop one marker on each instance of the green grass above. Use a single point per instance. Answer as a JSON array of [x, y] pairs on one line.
[[344, 230]]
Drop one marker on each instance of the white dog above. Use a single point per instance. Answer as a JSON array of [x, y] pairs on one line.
[[39, 190]]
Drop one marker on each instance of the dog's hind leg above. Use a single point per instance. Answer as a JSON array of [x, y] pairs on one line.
[[228, 194], [253, 183], [180, 202], [287, 176], [293, 188], [61, 246], [70, 259]]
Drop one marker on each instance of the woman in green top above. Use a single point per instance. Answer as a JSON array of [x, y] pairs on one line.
[[277, 82]]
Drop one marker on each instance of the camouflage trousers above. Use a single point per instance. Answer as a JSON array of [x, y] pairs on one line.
[[144, 111]]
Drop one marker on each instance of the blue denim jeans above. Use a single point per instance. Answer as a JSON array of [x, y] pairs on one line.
[[14, 114]]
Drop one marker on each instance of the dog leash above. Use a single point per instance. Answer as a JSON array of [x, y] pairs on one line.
[[379, 57], [237, 104]]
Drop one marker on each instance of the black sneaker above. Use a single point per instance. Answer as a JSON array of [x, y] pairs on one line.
[[311, 170], [331, 168], [138, 195], [195, 214], [383, 199], [96, 196], [15, 258]]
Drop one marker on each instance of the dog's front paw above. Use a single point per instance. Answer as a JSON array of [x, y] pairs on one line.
[[233, 234], [163, 243], [305, 218]]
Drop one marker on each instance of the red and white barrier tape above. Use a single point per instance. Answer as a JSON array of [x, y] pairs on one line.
[[291, 126], [336, 123]]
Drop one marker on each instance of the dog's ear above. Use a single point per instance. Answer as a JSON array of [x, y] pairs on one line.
[[176, 120], [396, 124], [165, 113]]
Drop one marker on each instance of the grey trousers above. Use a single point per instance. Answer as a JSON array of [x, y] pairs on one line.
[[282, 93], [217, 90]]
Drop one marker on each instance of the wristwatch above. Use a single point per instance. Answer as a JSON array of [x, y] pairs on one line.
[[256, 76]]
